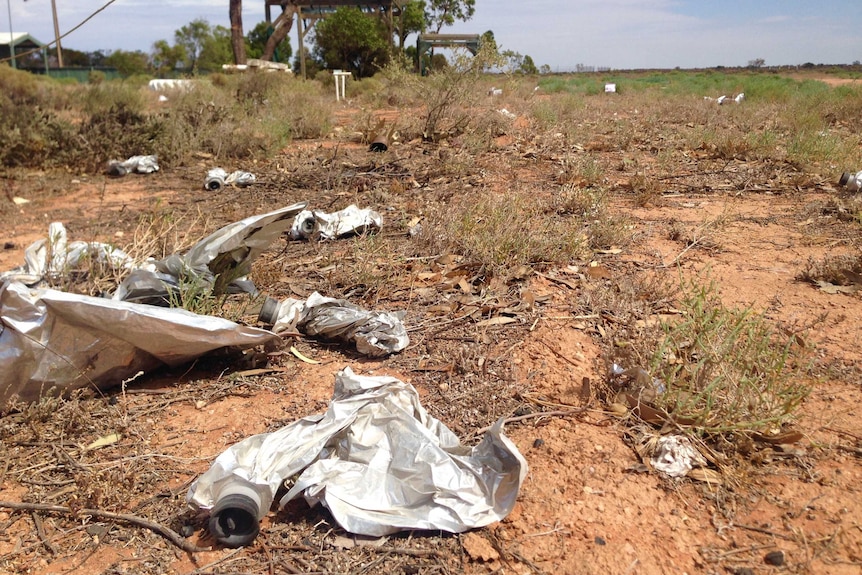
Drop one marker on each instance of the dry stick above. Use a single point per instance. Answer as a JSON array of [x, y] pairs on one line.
[[165, 532], [764, 531], [532, 415], [203, 569], [40, 531]]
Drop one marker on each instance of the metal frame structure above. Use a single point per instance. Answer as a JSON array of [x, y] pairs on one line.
[[426, 42], [308, 12]]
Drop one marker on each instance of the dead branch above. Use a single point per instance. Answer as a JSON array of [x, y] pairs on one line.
[[165, 532]]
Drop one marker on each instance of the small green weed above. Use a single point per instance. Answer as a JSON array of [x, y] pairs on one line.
[[726, 371]]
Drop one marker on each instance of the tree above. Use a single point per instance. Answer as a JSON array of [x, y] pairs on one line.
[[519, 64], [280, 29], [237, 40], [166, 58], [216, 50], [192, 37], [756, 63], [439, 13], [75, 58], [99, 58], [412, 20], [488, 40], [256, 43], [312, 64], [353, 41], [528, 66], [129, 63]]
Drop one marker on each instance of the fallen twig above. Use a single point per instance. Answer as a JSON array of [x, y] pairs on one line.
[[165, 532], [40, 531], [764, 531], [532, 415]]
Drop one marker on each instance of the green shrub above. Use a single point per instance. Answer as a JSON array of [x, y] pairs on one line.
[[725, 371]]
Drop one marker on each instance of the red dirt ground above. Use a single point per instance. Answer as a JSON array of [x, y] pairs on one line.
[[589, 505]]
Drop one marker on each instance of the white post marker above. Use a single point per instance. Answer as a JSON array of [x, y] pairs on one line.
[[340, 84]]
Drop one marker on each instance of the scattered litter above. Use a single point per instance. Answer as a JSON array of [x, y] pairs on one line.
[[852, 182], [507, 113], [610, 88], [738, 99], [375, 333], [254, 64], [376, 459], [218, 262], [134, 165], [217, 178], [54, 258], [347, 222], [52, 342], [495, 92], [18, 201], [676, 456], [160, 84]]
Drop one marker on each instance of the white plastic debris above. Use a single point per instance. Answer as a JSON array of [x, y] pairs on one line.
[[217, 178], [161, 84], [376, 459], [610, 88], [134, 165], [374, 333], [506, 113], [724, 99], [54, 258], [349, 221], [676, 456], [53, 342], [495, 92]]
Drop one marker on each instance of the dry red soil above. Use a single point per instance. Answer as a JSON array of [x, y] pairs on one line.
[[589, 504]]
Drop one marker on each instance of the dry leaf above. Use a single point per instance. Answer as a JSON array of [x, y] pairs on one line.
[[499, 320], [705, 475], [779, 438], [528, 299], [104, 441], [833, 289], [259, 371], [299, 355]]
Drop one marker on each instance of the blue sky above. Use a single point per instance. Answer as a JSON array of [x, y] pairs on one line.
[[620, 34]]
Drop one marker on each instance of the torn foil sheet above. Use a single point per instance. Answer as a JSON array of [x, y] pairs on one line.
[[53, 342], [349, 221], [376, 459], [676, 456], [374, 333], [220, 261], [135, 164], [54, 258]]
